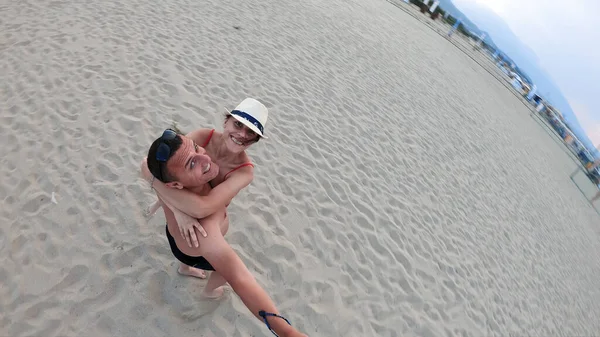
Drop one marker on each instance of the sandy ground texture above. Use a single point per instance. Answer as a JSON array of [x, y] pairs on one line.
[[403, 191]]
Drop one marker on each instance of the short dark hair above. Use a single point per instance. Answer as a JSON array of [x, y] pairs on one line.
[[155, 166], [228, 116]]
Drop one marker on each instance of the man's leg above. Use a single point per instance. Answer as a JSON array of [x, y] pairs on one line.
[[186, 270], [214, 286]]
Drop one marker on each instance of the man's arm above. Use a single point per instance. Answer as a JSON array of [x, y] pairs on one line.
[[202, 206], [226, 262]]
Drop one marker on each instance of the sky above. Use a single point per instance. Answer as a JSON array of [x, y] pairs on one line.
[[567, 45]]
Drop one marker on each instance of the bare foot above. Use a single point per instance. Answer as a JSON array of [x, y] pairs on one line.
[[191, 271], [218, 292]]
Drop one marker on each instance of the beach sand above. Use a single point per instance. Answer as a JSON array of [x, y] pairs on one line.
[[403, 190]]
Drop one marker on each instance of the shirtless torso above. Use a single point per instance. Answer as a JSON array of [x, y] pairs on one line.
[[173, 226]]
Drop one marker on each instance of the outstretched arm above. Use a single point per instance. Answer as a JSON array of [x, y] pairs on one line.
[[201, 206], [227, 263]]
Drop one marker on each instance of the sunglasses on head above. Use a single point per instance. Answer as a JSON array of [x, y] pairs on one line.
[[164, 151]]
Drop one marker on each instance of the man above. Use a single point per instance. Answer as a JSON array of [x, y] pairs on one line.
[[178, 162]]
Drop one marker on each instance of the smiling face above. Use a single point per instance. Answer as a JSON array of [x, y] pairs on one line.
[[190, 166], [238, 136]]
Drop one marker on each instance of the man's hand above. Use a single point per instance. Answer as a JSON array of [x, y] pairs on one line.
[[287, 331], [186, 226], [295, 333]]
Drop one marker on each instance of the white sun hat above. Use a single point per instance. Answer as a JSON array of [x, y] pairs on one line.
[[253, 114]]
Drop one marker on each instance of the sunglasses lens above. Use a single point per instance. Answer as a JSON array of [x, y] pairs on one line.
[[163, 152], [168, 135]]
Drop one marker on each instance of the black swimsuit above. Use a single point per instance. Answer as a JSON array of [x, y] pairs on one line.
[[192, 261]]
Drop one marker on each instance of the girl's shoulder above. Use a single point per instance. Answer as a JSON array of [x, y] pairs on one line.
[[201, 136]]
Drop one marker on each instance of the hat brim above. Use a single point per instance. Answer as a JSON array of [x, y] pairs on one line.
[[248, 124]]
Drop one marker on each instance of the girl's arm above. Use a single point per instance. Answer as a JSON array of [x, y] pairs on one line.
[[186, 225], [202, 206]]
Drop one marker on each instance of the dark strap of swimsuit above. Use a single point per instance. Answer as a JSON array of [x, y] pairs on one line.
[[264, 315]]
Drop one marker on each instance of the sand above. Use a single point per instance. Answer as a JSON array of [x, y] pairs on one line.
[[404, 191]]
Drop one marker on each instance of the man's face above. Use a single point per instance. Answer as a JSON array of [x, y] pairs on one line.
[[191, 166]]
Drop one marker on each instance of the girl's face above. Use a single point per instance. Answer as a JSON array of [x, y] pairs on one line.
[[238, 136]]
